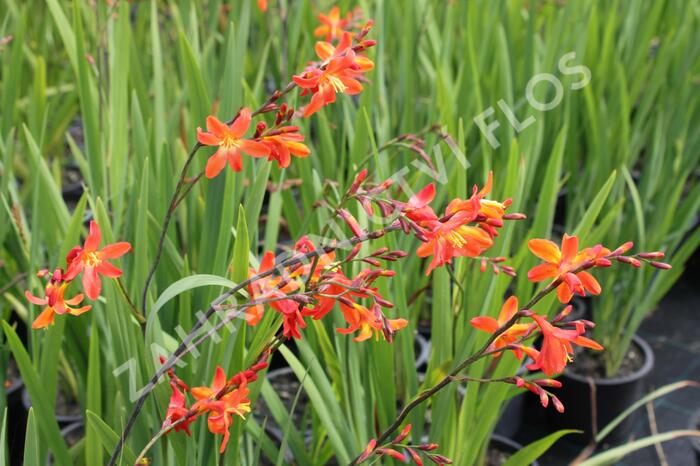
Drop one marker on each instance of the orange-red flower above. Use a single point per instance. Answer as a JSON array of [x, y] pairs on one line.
[[561, 264], [557, 347], [221, 410], [92, 262], [262, 5], [55, 301], [229, 139], [177, 410], [272, 287], [453, 238], [283, 143], [338, 76], [368, 322], [327, 52], [490, 325], [332, 24]]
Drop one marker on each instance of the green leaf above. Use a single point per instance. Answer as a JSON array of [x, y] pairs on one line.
[[107, 437], [614, 455], [665, 390], [31, 442], [39, 396], [526, 455]]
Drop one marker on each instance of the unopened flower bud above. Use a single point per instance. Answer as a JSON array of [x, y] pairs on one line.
[[403, 435], [557, 404], [629, 260], [651, 255], [660, 265]]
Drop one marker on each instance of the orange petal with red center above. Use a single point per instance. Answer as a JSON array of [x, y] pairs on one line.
[[545, 250]]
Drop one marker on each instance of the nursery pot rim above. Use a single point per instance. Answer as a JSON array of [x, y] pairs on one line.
[[509, 442], [647, 366], [67, 419]]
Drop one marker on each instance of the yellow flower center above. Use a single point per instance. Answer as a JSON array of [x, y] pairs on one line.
[[91, 259], [457, 238], [229, 142], [335, 83]]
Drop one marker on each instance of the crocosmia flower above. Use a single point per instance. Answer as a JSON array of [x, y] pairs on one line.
[[178, 411], [332, 24], [453, 238], [92, 262], [557, 347], [490, 325], [275, 288], [229, 139], [284, 143], [561, 264], [338, 76], [368, 322], [327, 52], [55, 301], [222, 408]]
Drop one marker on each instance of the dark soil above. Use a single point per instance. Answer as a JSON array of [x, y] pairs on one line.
[[66, 406], [12, 375], [495, 456], [589, 363]]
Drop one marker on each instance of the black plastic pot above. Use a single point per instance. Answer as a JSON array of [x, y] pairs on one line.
[[695, 441], [64, 420], [17, 420], [507, 445], [421, 349], [612, 397]]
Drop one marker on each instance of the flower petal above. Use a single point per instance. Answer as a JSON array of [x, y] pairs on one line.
[[542, 272], [241, 123], [115, 250], [44, 319], [545, 250], [254, 148], [91, 283], [485, 323], [108, 270], [589, 282], [92, 242], [215, 164], [510, 307]]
